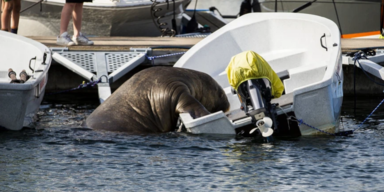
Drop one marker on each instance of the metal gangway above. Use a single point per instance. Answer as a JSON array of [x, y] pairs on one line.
[[371, 63], [95, 65]]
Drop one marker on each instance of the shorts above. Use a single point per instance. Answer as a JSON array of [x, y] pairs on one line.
[[74, 1]]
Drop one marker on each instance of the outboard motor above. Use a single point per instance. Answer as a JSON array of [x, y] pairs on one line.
[[255, 98], [256, 84]]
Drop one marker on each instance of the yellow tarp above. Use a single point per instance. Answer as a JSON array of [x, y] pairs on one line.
[[250, 65]]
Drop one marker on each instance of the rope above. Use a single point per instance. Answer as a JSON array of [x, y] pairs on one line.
[[81, 86], [162, 26], [369, 116], [337, 16], [151, 58], [363, 55], [343, 133], [275, 5], [300, 121], [356, 57], [194, 11]]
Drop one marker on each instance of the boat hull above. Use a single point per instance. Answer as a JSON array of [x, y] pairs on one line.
[[320, 109], [307, 58], [357, 18], [19, 108], [20, 101], [98, 21]]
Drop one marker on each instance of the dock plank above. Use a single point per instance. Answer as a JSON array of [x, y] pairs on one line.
[[355, 44], [125, 43], [122, 43], [64, 79]]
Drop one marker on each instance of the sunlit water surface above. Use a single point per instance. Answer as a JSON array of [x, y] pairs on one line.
[[60, 156]]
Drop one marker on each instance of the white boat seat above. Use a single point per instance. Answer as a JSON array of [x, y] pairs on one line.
[[3, 74], [283, 75], [284, 100], [4, 77]]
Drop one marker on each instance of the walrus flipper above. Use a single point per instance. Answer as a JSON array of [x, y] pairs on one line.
[[188, 104]]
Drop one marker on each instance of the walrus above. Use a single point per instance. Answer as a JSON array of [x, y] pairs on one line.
[[151, 100]]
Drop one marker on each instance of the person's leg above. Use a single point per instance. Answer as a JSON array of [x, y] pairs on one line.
[[23, 76], [1, 11], [6, 15], [77, 16], [382, 17], [66, 16], [12, 75], [64, 38], [245, 7], [15, 15], [256, 6], [78, 37]]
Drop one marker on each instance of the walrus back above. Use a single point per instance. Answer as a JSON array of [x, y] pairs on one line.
[[146, 103]]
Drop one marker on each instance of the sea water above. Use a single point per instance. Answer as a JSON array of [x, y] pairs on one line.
[[60, 156]]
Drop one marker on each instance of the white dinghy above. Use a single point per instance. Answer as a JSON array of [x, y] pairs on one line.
[[20, 101], [304, 50], [104, 17]]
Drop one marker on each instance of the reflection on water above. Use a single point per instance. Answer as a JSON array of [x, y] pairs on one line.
[[60, 156], [62, 115]]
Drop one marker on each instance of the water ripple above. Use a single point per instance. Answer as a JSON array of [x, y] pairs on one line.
[[60, 156]]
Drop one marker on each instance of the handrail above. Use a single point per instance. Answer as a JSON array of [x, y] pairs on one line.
[[41, 8]]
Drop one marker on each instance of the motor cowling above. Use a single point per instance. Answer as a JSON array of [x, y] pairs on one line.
[[256, 83]]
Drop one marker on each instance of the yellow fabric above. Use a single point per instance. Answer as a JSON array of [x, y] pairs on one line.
[[250, 65]]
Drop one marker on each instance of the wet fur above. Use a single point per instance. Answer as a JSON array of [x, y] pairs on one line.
[[152, 99]]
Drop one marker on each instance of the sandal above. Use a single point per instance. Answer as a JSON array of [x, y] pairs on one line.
[[24, 76], [11, 74]]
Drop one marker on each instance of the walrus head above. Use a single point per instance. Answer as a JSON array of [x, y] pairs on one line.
[[219, 100], [211, 95]]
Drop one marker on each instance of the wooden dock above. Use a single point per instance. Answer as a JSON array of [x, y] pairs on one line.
[[355, 44], [125, 43], [62, 78], [106, 44]]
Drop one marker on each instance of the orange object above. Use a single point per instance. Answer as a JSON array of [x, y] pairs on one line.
[[354, 35]]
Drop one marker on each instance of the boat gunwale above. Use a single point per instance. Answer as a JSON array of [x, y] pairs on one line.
[[326, 80], [32, 83]]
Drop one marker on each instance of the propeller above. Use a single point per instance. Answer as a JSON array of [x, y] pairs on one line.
[[264, 125]]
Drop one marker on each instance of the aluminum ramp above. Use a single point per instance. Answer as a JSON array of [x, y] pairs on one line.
[[370, 65], [109, 66]]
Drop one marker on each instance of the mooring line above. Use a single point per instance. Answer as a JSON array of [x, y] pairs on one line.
[[151, 58], [343, 133], [81, 86], [369, 115]]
